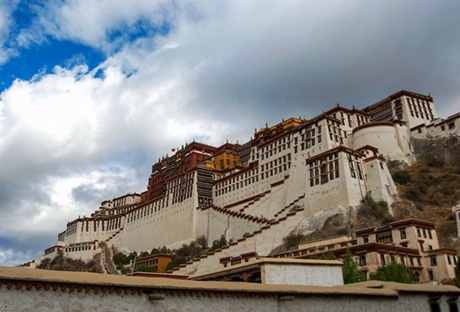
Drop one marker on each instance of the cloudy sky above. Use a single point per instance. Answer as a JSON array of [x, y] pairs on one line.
[[94, 92]]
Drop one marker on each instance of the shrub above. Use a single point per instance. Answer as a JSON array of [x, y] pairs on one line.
[[62, 263], [292, 241], [433, 161], [325, 256], [218, 243], [377, 212], [294, 208], [188, 252], [402, 177]]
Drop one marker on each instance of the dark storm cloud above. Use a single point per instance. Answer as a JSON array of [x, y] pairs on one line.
[[105, 188], [360, 57]]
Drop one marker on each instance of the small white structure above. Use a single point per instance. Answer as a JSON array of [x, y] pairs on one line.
[[280, 272]]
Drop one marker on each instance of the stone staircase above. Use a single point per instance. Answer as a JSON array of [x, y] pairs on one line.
[[261, 241], [289, 206], [235, 214], [106, 259], [113, 235]]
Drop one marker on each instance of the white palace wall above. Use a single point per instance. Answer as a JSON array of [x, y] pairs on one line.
[[171, 226], [89, 230], [341, 191], [379, 181], [215, 222], [387, 137]]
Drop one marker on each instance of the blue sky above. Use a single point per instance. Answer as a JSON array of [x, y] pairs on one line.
[[92, 93]]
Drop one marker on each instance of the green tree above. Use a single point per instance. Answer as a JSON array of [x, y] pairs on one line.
[[143, 268], [457, 275], [162, 250], [325, 256], [350, 271], [393, 272], [202, 241], [144, 254], [185, 253]]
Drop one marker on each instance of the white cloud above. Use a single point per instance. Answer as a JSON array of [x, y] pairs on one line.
[[68, 138], [103, 24], [6, 25], [12, 257]]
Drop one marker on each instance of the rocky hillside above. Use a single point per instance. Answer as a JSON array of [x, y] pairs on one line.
[[427, 191], [430, 194]]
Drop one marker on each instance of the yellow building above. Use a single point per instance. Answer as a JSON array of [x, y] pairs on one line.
[[226, 159], [157, 262]]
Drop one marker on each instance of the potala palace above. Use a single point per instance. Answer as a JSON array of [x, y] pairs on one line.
[[257, 192]]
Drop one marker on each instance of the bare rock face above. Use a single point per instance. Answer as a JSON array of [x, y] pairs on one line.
[[438, 151], [403, 209], [340, 223], [329, 222], [335, 219]]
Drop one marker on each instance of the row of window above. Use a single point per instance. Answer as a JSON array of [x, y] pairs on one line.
[[120, 202], [274, 163], [323, 172], [274, 151], [118, 211], [147, 210], [450, 125], [181, 188], [254, 179], [273, 145], [111, 224], [240, 177], [420, 109], [413, 261], [425, 233], [80, 248], [71, 230]]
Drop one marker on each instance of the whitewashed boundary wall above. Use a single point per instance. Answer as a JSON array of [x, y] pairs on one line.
[[24, 290]]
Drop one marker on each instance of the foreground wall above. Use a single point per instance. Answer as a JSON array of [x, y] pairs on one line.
[[36, 290]]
